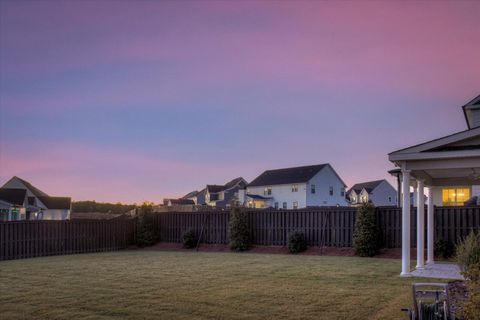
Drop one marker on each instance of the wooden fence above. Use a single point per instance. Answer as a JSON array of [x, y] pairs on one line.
[[26, 239], [322, 226]]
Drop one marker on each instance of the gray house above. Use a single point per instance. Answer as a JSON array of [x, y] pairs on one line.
[[220, 196], [378, 192]]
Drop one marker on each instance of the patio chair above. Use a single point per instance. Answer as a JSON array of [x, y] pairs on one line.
[[430, 302]]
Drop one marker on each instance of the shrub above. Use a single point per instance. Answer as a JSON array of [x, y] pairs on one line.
[[471, 307], [366, 236], [145, 228], [297, 242], [468, 251], [238, 229], [443, 248], [189, 239]]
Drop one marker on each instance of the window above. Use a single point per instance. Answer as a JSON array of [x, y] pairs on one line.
[[312, 188], [342, 192], [295, 204], [389, 199], [276, 205], [364, 199], [354, 199], [284, 205], [294, 188], [267, 191], [455, 196], [331, 190]]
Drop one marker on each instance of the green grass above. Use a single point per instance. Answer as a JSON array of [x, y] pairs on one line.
[[183, 285]]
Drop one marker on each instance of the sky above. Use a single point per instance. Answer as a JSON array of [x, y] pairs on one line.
[[127, 101]]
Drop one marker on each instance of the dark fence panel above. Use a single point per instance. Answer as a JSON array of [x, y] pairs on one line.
[[26, 239], [329, 226]]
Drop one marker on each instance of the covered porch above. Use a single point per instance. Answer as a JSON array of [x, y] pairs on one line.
[[448, 171]]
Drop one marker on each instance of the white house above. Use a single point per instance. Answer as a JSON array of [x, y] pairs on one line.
[[378, 192], [32, 203], [450, 168], [299, 187]]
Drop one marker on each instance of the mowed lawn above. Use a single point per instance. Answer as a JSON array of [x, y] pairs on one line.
[[142, 284]]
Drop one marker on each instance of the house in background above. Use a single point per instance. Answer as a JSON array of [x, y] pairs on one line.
[[198, 197], [222, 196], [36, 204], [298, 187], [378, 192]]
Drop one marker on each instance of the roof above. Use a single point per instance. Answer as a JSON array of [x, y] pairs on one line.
[[368, 186], [190, 194], [474, 103], [256, 196], [181, 201], [37, 192], [288, 175], [13, 196], [214, 188], [56, 202]]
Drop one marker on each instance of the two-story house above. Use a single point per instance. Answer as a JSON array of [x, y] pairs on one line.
[[20, 200], [298, 187], [220, 196], [378, 192]]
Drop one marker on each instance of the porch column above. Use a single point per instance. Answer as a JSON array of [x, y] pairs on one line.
[[420, 225], [405, 223], [430, 227]]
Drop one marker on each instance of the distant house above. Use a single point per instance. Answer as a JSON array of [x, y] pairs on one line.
[[198, 197], [222, 196], [177, 202], [378, 192], [298, 187], [20, 200]]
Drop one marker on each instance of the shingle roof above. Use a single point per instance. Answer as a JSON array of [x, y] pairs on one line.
[[287, 175], [13, 196], [181, 201], [190, 194], [56, 202], [368, 186], [37, 192], [214, 188]]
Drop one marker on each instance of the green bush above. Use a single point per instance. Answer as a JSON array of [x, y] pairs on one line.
[[471, 307], [145, 228], [468, 251], [366, 236], [443, 248], [189, 239], [297, 242], [238, 230]]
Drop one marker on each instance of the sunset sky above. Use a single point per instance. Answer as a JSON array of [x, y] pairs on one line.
[[132, 101]]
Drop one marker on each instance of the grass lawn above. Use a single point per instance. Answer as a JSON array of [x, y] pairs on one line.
[[182, 285]]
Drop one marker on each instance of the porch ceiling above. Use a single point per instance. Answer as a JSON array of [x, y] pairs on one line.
[[449, 177]]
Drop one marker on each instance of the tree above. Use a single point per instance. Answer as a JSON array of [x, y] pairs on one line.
[[238, 227], [366, 236]]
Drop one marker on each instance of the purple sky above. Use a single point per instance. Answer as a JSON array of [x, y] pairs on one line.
[[133, 101]]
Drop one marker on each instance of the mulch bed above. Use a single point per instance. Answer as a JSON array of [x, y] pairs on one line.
[[311, 251], [458, 293]]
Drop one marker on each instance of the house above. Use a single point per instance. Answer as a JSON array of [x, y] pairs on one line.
[[222, 196], [378, 192], [450, 168], [298, 187], [36, 204], [198, 197], [178, 202]]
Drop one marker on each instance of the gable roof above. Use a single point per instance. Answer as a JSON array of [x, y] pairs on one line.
[[181, 201], [368, 186], [37, 192], [473, 104], [13, 196], [190, 194], [289, 175], [214, 188], [56, 202]]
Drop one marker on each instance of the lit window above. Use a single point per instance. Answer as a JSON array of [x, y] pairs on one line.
[[313, 188], [295, 204], [284, 205], [294, 188], [455, 196], [331, 191]]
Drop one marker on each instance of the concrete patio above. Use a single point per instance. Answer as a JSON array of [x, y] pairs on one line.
[[440, 271]]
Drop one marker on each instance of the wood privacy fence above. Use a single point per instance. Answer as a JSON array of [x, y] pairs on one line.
[[26, 239], [322, 226]]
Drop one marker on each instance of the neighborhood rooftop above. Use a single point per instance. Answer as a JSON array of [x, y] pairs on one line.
[[13, 196], [287, 175], [368, 186]]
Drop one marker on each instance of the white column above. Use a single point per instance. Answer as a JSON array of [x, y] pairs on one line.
[[430, 227], [405, 223], [415, 196], [420, 225]]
